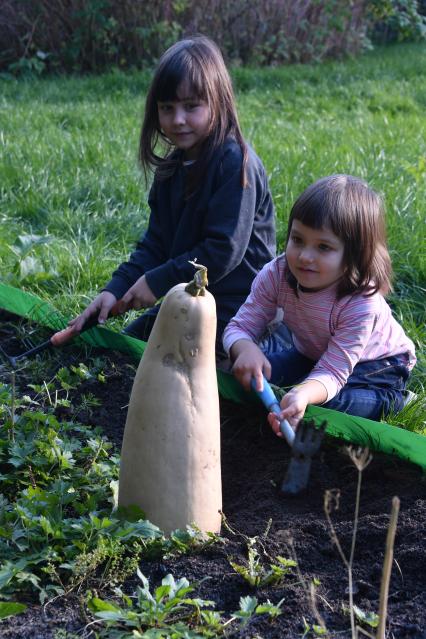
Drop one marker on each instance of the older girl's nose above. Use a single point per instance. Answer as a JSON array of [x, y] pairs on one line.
[[179, 115]]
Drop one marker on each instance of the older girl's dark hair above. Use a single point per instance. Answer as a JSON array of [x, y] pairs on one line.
[[355, 213], [198, 62]]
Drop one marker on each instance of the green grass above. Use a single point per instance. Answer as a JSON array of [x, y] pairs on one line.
[[68, 167]]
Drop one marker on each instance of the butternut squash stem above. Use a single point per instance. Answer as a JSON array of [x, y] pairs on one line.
[[197, 286]]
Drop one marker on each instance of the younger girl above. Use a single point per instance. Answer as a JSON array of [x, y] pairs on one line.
[[348, 352], [209, 201]]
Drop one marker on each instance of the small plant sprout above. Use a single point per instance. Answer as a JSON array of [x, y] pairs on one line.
[[249, 607], [313, 630], [256, 574]]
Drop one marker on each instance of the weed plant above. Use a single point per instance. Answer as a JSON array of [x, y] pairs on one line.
[[58, 518], [168, 611]]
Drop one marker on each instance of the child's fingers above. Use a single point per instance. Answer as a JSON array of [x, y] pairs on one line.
[[274, 424], [105, 309], [245, 379], [243, 374], [267, 369], [129, 299], [78, 322], [258, 377], [293, 414]]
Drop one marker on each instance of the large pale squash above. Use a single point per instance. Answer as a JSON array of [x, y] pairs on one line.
[[170, 459]]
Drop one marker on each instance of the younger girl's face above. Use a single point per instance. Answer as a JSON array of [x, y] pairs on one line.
[[314, 256], [185, 121]]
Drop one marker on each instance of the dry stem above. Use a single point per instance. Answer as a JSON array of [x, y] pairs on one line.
[[387, 568], [361, 457]]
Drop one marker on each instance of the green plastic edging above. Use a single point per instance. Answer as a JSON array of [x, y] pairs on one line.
[[377, 436]]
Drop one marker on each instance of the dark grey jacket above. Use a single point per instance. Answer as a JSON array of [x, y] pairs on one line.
[[228, 228]]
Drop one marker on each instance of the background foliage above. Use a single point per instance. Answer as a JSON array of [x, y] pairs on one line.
[[92, 35]]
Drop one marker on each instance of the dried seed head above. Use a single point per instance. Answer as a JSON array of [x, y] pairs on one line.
[[360, 457]]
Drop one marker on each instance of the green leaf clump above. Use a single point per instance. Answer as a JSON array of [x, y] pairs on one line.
[[58, 519]]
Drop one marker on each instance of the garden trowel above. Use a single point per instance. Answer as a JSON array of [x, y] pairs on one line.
[[304, 443]]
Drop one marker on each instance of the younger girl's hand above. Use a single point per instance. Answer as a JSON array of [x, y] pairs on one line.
[[293, 406], [249, 362], [139, 295]]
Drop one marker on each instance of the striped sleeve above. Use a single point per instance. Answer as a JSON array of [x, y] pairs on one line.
[[259, 308], [347, 344]]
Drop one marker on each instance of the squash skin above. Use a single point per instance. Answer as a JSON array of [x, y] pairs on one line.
[[170, 459]]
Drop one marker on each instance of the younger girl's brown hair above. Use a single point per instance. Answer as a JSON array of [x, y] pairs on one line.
[[198, 63], [355, 213]]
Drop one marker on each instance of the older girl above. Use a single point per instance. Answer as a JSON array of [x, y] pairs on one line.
[[209, 201]]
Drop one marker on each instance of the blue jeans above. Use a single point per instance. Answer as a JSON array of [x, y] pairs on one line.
[[373, 390]]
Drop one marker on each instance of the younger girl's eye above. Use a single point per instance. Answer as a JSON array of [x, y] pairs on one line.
[[296, 239], [325, 247]]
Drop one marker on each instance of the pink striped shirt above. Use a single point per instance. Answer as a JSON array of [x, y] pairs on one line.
[[337, 334]]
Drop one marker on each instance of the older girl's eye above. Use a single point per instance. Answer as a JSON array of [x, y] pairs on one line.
[[325, 247], [165, 107]]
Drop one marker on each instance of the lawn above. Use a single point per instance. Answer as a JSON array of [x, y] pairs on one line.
[[69, 173], [72, 205]]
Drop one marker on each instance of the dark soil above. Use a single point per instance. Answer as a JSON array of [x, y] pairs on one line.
[[254, 462]]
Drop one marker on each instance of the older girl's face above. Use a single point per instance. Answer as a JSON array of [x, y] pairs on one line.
[[185, 121], [314, 256]]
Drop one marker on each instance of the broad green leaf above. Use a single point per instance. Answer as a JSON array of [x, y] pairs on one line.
[[10, 608], [161, 592], [99, 605], [248, 604], [370, 618], [9, 570]]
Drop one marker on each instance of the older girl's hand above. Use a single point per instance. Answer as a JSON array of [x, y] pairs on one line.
[[139, 295], [101, 306]]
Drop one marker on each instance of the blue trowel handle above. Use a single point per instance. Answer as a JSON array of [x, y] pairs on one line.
[[272, 405]]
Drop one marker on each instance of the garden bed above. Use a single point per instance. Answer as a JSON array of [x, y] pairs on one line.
[[258, 516]]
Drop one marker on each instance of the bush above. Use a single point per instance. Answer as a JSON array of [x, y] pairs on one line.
[[84, 35], [276, 31], [397, 20], [92, 35]]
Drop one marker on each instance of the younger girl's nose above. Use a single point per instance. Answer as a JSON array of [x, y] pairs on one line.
[[306, 255]]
